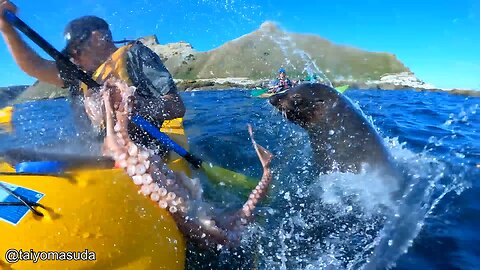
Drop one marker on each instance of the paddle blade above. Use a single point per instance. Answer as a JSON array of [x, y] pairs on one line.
[[342, 88], [222, 177], [258, 92], [266, 95]]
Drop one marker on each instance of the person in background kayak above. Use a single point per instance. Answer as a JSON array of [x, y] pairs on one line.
[[281, 83], [90, 46]]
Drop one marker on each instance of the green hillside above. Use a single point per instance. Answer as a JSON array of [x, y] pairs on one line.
[[259, 54]]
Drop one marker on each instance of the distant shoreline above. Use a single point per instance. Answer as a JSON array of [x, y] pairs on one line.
[[40, 91], [244, 83]]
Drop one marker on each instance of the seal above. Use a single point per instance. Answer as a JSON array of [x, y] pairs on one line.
[[342, 139]]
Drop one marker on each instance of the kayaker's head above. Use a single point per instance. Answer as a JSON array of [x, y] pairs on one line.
[[282, 74], [89, 42]]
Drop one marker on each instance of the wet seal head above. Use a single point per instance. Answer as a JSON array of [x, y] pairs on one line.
[[307, 104], [341, 138]]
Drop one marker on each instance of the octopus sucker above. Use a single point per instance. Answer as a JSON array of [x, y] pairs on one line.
[[132, 161], [132, 149], [140, 169], [163, 192], [154, 187], [173, 202], [155, 197], [145, 190], [147, 179], [260, 187], [171, 196], [179, 201], [137, 179], [175, 192], [131, 170], [163, 204], [143, 155], [145, 163]]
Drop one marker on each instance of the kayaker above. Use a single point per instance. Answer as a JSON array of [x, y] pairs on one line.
[[281, 83], [89, 45]]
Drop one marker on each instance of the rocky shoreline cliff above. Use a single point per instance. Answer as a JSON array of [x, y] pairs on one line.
[[388, 82]]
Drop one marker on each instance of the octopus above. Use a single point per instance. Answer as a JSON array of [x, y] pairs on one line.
[[179, 194]]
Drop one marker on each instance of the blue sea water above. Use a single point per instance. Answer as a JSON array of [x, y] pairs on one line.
[[336, 221]]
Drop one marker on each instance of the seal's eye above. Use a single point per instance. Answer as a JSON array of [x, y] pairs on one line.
[[296, 96], [317, 102], [296, 99]]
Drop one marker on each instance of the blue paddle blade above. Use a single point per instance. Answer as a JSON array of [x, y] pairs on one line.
[[40, 167]]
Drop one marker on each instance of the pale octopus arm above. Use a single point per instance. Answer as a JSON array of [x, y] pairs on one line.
[[179, 194]]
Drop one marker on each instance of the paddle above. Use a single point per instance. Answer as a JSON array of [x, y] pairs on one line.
[[342, 88], [216, 174], [258, 92], [25, 160], [263, 92]]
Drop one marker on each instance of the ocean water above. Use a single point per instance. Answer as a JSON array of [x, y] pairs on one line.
[[340, 221]]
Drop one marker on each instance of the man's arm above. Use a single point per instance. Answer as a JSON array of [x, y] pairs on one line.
[[26, 58], [273, 86]]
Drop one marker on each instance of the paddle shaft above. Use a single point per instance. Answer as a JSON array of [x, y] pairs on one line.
[[81, 75], [42, 43], [166, 141]]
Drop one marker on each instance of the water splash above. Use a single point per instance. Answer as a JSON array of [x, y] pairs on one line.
[[429, 182], [346, 221], [457, 126], [287, 45]]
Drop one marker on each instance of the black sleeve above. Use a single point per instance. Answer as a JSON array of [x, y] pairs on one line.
[[70, 81], [148, 73], [67, 77]]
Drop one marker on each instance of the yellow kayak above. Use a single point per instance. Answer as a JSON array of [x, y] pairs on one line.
[[93, 213], [6, 115]]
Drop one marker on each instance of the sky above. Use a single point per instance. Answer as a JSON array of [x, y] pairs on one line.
[[438, 40]]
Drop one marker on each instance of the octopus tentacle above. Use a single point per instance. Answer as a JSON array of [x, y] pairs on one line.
[[174, 191], [261, 189]]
